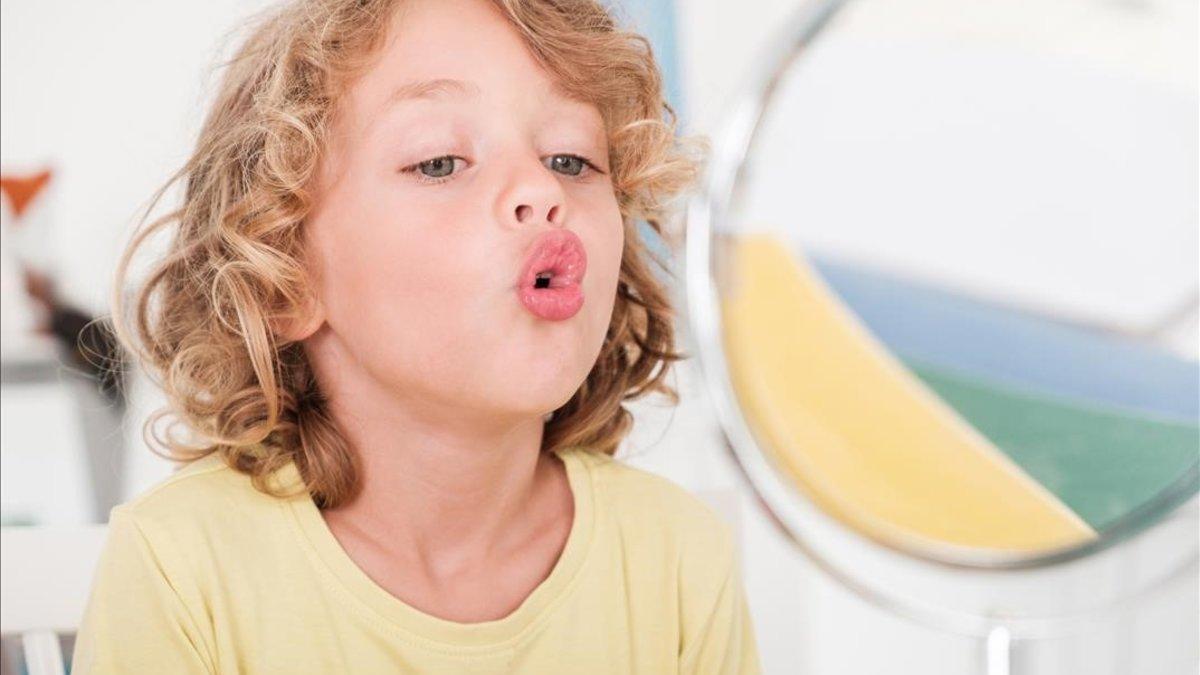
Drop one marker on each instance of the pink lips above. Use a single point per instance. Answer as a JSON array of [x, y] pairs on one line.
[[559, 252]]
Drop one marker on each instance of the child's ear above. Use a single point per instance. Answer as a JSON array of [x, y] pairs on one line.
[[302, 324]]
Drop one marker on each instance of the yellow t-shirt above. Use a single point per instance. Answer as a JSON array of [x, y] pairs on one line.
[[204, 574]]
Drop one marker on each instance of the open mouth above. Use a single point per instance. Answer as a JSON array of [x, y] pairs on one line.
[[558, 259], [551, 280]]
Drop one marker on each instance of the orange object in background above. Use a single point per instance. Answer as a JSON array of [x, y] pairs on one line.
[[26, 221], [21, 190]]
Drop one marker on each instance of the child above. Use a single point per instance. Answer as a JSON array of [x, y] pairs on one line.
[[404, 304]]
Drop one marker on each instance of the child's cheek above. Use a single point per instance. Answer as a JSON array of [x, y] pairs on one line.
[[605, 238], [412, 279]]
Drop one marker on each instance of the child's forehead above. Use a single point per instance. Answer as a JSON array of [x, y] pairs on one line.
[[433, 41], [393, 88], [460, 53]]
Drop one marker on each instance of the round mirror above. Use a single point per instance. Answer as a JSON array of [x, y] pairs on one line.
[[942, 281]]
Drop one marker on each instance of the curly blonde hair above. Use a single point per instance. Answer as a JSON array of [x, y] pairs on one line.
[[203, 320]]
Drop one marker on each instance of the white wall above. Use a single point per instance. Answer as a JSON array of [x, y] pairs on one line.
[[112, 93]]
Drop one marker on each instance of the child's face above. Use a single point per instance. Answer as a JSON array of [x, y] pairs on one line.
[[418, 282]]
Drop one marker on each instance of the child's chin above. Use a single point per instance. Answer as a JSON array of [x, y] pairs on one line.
[[548, 398]]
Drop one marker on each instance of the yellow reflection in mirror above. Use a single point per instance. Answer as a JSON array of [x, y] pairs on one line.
[[867, 440]]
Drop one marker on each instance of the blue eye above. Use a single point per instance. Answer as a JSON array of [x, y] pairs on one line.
[[440, 166], [571, 165], [568, 164], [436, 170], [441, 169]]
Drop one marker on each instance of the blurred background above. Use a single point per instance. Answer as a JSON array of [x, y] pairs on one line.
[[1035, 159]]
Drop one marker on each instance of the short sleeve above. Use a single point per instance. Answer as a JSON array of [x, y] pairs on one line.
[[726, 645], [135, 620]]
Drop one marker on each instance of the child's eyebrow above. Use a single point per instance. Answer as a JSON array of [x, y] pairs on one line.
[[430, 89], [444, 87], [450, 88]]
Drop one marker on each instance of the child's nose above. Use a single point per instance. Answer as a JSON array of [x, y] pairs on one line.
[[525, 213], [532, 195]]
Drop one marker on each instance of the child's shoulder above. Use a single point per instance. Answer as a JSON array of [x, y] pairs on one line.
[[202, 489]]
